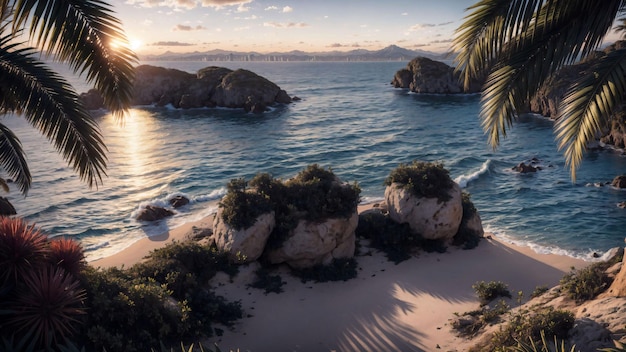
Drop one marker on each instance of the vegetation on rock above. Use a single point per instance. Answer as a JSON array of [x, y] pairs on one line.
[[423, 179]]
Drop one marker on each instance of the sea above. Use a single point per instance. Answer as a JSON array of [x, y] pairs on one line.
[[349, 119]]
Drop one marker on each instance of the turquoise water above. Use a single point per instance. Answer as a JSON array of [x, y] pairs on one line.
[[349, 119]]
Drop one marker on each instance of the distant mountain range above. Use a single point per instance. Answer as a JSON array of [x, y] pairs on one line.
[[390, 53]]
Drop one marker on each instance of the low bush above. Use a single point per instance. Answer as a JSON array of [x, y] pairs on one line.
[[268, 282], [483, 316], [340, 269], [314, 194], [397, 241], [163, 299], [585, 284], [423, 179], [530, 326], [488, 291]]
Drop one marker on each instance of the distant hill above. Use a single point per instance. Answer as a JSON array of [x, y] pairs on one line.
[[390, 53]]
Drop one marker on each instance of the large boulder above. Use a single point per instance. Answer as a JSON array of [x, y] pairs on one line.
[[430, 217], [315, 243], [154, 213], [619, 181], [243, 245], [423, 75], [210, 87]]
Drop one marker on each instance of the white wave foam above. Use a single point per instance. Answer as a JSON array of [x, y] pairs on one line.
[[589, 255], [463, 180]]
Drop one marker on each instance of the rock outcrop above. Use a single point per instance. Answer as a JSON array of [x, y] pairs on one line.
[[244, 245], [153, 213], [619, 181], [210, 87], [430, 217], [313, 243], [423, 75], [178, 201]]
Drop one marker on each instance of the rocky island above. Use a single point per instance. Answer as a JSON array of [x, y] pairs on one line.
[[209, 87]]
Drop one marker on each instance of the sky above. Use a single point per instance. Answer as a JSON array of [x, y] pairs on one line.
[[264, 26]]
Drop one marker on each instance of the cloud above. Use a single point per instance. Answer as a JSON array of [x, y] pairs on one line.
[[287, 9], [445, 23], [285, 24], [441, 41], [339, 45], [222, 3], [420, 26], [404, 14], [271, 8], [146, 22], [242, 8], [171, 44], [175, 4], [186, 28]]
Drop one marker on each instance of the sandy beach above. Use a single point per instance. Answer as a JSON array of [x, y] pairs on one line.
[[388, 307]]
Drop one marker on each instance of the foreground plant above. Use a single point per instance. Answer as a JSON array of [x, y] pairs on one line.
[[519, 44], [47, 307], [89, 38]]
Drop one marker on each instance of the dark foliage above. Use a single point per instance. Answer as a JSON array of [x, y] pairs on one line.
[[397, 241], [163, 299], [488, 291], [240, 208], [46, 307], [528, 326], [465, 237], [268, 282], [68, 254], [423, 179], [314, 194], [340, 269], [23, 249]]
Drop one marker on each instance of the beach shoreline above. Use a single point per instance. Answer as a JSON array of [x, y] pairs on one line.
[[387, 307]]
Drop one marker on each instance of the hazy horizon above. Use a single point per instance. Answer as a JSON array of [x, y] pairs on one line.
[[156, 26]]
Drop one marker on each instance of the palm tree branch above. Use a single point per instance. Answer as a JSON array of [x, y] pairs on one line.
[[13, 160], [51, 105], [94, 44], [588, 106]]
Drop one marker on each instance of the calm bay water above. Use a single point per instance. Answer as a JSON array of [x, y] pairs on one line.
[[349, 119]]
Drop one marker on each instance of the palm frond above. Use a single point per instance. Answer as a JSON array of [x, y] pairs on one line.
[[486, 31], [523, 43], [13, 160], [51, 105], [94, 44], [588, 106]]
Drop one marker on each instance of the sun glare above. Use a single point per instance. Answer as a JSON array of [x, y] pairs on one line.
[[132, 44]]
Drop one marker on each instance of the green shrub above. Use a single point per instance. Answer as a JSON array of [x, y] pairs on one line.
[[488, 291], [543, 346], [240, 207], [167, 293], [483, 316], [586, 283], [529, 326], [423, 179], [314, 194], [130, 314], [539, 290], [340, 269]]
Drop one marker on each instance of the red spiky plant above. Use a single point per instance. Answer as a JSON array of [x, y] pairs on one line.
[[68, 254], [23, 248], [47, 307]]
